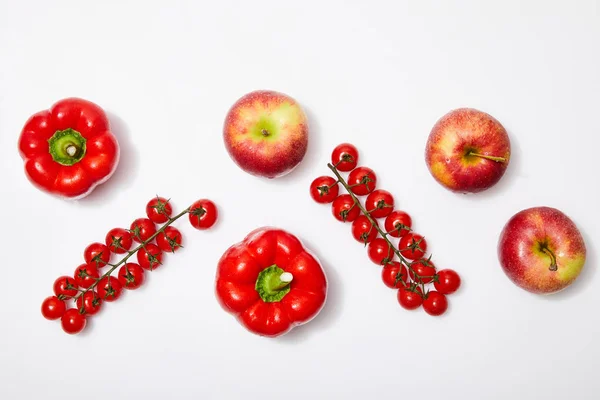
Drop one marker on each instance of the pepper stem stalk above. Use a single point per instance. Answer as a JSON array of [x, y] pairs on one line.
[[273, 283]]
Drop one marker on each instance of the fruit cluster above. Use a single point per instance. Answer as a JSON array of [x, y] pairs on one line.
[[89, 288], [405, 266]]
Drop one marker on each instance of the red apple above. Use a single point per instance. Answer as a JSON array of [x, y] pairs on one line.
[[467, 151], [541, 250], [266, 133]]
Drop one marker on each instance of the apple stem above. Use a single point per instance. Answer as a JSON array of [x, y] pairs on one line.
[[553, 265], [493, 158]]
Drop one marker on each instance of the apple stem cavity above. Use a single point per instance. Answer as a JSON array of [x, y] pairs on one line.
[[550, 253], [493, 158], [265, 132]]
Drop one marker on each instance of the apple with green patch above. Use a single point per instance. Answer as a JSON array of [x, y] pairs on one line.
[[467, 151], [266, 133], [541, 250]]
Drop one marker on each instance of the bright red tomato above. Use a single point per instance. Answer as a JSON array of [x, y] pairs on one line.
[[448, 281], [86, 275], [380, 251], [142, 229], [393, 274], [412, 246], [98, 254], [89, 303], [324, 189], [344, 157], [119, 240], [169, 239], [435, 303], [424, 268], [53, 308], [109, 288], [131, 276], [362, 181], [72, 321], [410, 297], [379, 203], [203, 214], [159, 210], [363, 230], [150, 257], [398, 223], [344, 209], [65, 286]]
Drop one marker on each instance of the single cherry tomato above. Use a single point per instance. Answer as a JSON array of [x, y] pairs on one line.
[[435, 303], [324, 189], [142, 229], [344, 157], [109, 288], [412, 246], [89, 303], [86, 275], [363, 230], [380, 251], [379, 203], [448, 281], [362, 181], [73, 321], [150, 256], [131, 276], [344, 209], [398, 223], [424, 268], [53, 308], [410, 297], [169, 239], [65, 286], [203, 214], [159, 210], [119, 240], [393, 274], [97, 254]]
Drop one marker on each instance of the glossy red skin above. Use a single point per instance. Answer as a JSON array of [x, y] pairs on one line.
[[103, 288], [374, 198], [362, 225], [356, 176], [338, 154], [328, 197], [138, 276], [85, 275], [72, 321], [526, 265], [126, 240], [448, 281], [53, 308], [435, 304], [206, 220], [389, 273], [93, 250], [344, 202], [409, 299], [425, 269], [407, 240], [145, 227], [397, 217], [142, 256], [154, 215], [172, 233], [379, 250], [77, 180], [238, 270], [60, 286], [265, 158], [453, 136], [87, 301]]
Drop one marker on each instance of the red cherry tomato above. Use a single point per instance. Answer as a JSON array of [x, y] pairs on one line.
[[73, 321], [150, 257], [362, 181], [379, 203], [412, 246], [169, 239], [425, 269], [97, 254], [380, 251], [142, 229], [448, 281], [362, 230], [344, 157], [109, 288], [410, 297], [324, 189], [393, 274], [53, 308], [159, 210], [119, 240], [398, 223], [89, 303], [344, 209], [203, 214], [435, 303], [131, 276], [65, 286], [86, 275]]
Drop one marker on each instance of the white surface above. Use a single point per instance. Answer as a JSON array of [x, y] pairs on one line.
[[377, 75]]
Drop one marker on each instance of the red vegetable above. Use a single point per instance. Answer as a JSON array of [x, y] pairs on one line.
[[270, 282], [69, 149]]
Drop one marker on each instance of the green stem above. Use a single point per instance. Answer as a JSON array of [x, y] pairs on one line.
[[493, 158]]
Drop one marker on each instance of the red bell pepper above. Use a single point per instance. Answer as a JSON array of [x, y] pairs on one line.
[[270, 282], [69, 149]]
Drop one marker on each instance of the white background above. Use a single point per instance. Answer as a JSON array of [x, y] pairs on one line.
[[378, 74]]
